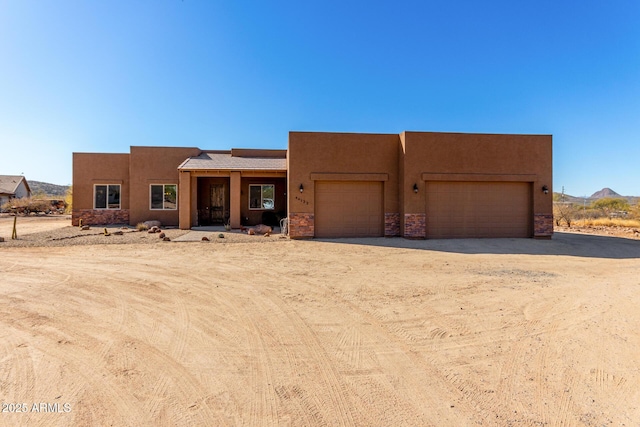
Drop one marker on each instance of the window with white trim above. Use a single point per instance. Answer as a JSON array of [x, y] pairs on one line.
[[106, 196], [164, 196], [262, 197]]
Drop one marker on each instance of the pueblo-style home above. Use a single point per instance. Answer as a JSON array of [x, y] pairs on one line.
[[414, 185]]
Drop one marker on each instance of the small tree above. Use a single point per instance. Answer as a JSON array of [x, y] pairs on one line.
[[635, 211], [68, 200], [609, 205], [564, 212]]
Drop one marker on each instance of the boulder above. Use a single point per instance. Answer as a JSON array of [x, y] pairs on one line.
[[262, 229], [152, 223], [162, 235], [205, 239]]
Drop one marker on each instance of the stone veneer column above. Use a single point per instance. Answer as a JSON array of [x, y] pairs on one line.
[[415, 226], [301, 225], [391, 224], [542, 225], [99, 216]]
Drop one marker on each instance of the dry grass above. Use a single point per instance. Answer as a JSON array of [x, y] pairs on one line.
[[608, 222]]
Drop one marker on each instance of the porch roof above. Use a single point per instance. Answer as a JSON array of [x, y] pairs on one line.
[[225, 161]]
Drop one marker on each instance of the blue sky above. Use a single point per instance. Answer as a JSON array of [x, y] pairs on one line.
[[99, 76]]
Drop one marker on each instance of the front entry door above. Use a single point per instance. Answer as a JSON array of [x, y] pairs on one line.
[[216, 210]]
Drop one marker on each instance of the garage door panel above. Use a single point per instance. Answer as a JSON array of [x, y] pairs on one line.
[[348, 209], [478, 209]]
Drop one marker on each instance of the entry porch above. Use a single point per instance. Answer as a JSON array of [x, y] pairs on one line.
[[239, 188]]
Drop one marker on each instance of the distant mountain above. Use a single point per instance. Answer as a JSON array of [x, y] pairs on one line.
[[605, 192], [52, 190]]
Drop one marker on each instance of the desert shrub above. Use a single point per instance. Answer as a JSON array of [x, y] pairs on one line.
[[608, 206], [141, 226], [564, 212], [6, 207], [26, 205], [68, 200]]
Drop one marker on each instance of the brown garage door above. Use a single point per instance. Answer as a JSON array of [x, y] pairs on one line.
[[348, 209], [478, 209]]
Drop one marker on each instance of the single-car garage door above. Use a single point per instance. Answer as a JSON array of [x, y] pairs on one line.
[[478, 209], [348, 209]]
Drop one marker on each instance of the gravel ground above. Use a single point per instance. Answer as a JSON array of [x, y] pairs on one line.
[[67, 235]]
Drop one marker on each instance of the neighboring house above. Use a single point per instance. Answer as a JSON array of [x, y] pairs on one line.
[[13, 187], [415, 185]]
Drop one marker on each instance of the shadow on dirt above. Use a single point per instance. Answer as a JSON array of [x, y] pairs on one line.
[[569, 244]]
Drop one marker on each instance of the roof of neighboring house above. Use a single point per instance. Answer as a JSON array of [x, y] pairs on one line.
[[225, 161], [9, 183]]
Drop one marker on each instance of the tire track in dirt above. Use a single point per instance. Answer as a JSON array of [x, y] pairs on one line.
[[262, 411], [540, 383], [395, 334], [261, 379], [103, 392], [306, 411], [336, 389], [181, 325], [6, 266], [123, 363], [190, 391], [53, 344], [530, 351], [350, 347], [410, 363], [17, 364]]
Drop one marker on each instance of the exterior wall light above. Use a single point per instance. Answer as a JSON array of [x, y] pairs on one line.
[[545, 189], [301, 188], [415, 187]]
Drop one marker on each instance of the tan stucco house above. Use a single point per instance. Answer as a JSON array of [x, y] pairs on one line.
[[413, 184]]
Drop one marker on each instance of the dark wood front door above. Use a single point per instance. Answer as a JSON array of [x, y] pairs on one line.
[[216, 209]]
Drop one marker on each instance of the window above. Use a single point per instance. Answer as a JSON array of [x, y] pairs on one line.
[[262, 197], [164, 196], [106, 196]]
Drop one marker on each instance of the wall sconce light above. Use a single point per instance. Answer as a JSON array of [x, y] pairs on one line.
[[545, 189], [301, 188], [415, 187]]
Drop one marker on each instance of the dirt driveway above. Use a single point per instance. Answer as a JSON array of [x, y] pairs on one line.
[[383, 332]]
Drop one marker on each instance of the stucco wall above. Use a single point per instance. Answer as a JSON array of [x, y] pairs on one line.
[[479, 157], [479, 154], [98, 168], [350, 156], [154, 165], [254, 217], [414, 158]]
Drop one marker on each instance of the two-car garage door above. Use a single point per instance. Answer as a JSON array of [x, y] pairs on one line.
[[349, 209], [478, 209]]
